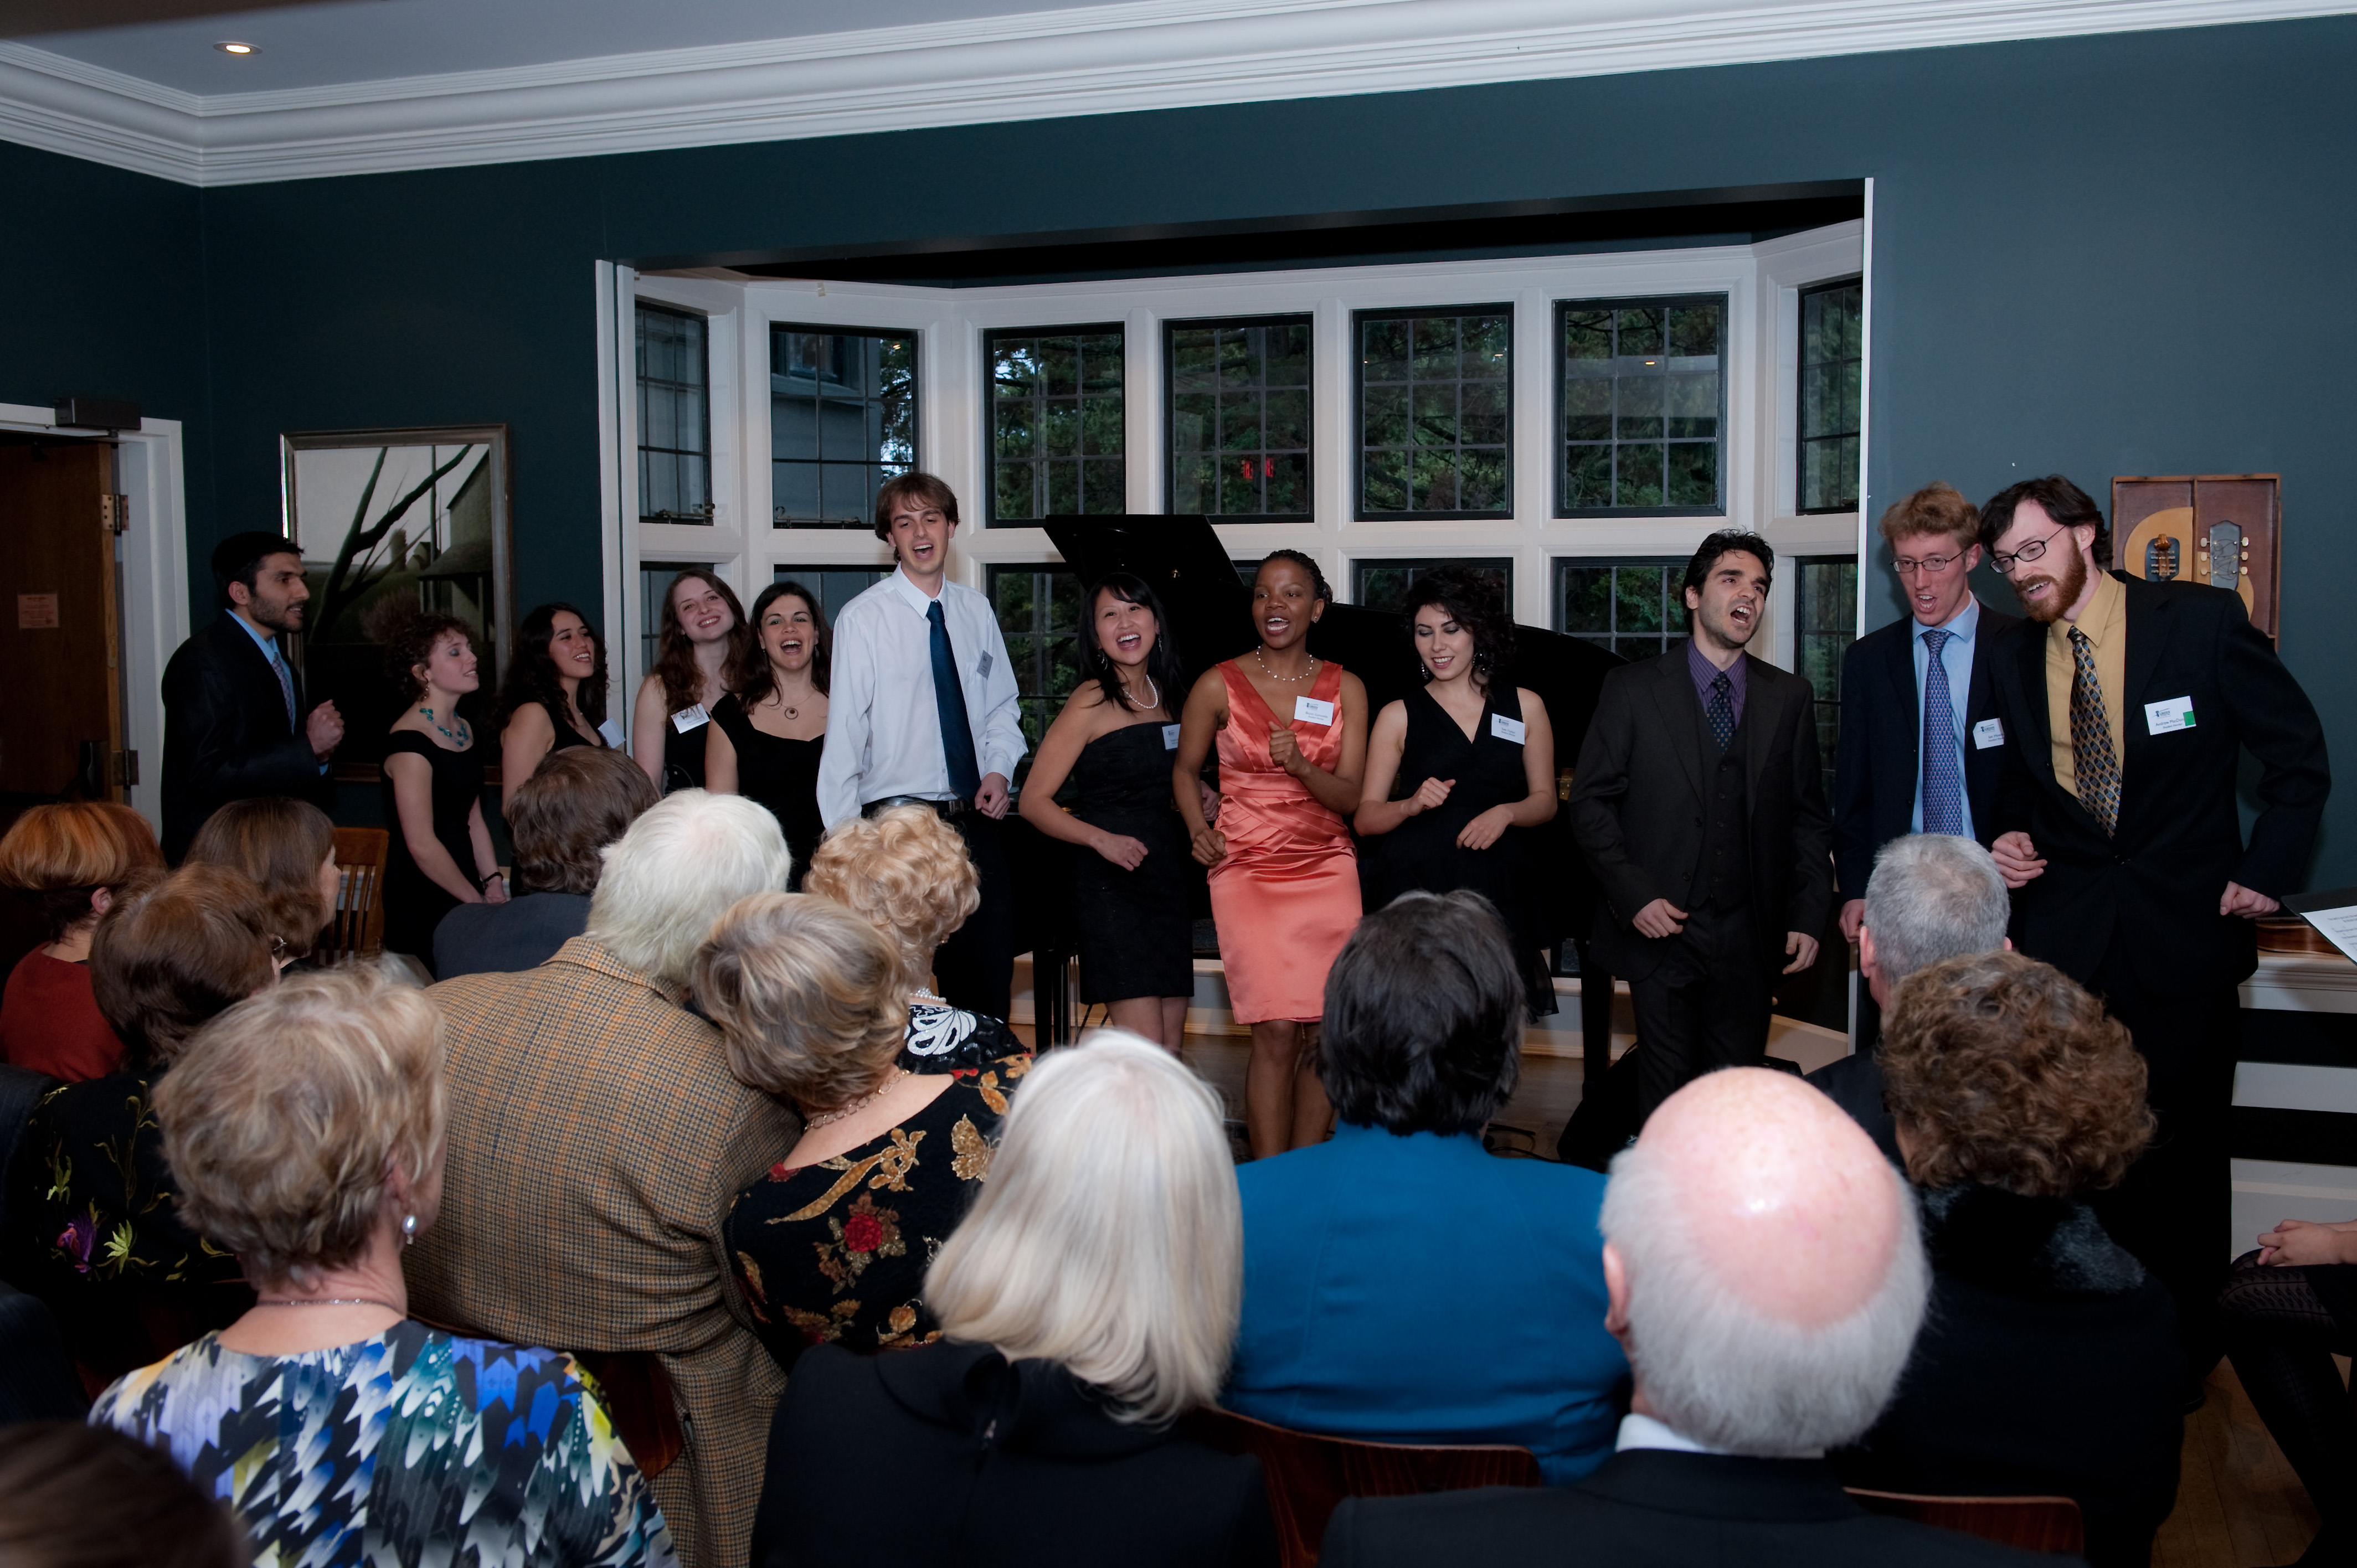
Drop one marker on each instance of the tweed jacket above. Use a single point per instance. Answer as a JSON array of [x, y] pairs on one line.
[[596, 1143]]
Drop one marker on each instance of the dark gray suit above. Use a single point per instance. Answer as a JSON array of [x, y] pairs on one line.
[[1642, 805]]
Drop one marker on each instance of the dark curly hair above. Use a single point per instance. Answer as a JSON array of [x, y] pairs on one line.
[[1423, 1017], [749, 675], [1162, 666], [2005, 1072], [1325, 594], [675, 666], [409, 637], [2060, 499], [532, 674], [1473, 605]]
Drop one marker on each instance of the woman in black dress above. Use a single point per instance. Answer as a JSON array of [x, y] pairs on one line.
[[441, 852], [766, 735], [1114, 741], [553, 694], [701, 635], [1457, 770]]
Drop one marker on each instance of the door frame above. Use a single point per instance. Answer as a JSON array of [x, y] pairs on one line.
[[153, 603]]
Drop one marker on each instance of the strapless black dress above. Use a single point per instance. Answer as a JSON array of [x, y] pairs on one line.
[[1135, 938]]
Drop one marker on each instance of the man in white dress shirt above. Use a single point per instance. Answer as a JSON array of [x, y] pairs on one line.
[[922, 711]]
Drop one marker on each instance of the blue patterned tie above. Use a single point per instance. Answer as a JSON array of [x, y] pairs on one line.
[[949, 697], [285, 683], [1720, 711], [1942, 760]]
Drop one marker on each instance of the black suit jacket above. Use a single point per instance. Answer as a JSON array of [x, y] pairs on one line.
[[1650, 1505], [226, 736], [1879, 760], [948, 1454], [1636, 804], [2150, 892]]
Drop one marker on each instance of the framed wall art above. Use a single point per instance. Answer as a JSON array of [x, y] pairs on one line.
[[2225, 530]]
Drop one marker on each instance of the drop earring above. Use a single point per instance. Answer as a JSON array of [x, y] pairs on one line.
[[408, 1230]]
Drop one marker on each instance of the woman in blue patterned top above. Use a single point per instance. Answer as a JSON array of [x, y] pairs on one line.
[[305, 1128]]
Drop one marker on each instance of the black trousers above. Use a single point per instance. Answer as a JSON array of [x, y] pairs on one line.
[[975, 968], [2174, 1209], [1705, 1008]]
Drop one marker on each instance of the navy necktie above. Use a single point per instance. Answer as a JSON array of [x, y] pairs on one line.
[[1721, 709], [949, 696], [1942, 762]]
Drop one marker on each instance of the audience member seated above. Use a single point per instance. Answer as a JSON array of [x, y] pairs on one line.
[[2049, 1363], [91, 1229], [71, 862], [905, 872], [829, 1247], [1401, 1284], [597, 1141], [87, 1496], [305, 1127], [287, 848], [1086, 1304], [561, 818], [1931, 896], [1766, 1279], [2290, 1307]]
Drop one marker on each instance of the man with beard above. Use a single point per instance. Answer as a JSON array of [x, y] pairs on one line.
[[2126, 706], [234, 724], [1699, 804]]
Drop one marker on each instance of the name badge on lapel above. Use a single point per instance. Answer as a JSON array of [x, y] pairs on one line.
[[1505, 728], [2168, 716], [611, 732], [1310, 710], [687, 719], [1169, 738], [983, 668], [1988, 733]]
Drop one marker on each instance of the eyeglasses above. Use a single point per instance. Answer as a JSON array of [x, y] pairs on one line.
[[1930, 565], [2033, 551]]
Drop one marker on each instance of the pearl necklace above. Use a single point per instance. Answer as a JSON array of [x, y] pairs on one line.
[[825, 1118], [1288, 680]]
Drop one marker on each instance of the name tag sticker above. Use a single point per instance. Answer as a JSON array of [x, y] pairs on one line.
[[1310, 710], [1505, 728], [1169, 738], [687, 719], [2168, 716], [611, 732], [1988, 733], [984, 668]]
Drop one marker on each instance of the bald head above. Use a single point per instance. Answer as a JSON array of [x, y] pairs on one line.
[[1766, 1274]]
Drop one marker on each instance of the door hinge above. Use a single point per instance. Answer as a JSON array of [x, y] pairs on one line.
[[114, 512], [126, 768]]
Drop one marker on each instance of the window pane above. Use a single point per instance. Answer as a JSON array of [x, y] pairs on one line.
[[1832, 334], [1040, 615], [1435, 413], [835, 585], [843, 420], [1383, 585], [1239, 417], [675, 426], [1058, 423], [1827, 592], [1633, 607], [1632, 375]]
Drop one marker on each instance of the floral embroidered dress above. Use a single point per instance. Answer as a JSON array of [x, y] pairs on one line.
[[92, 1229], [413, 1447], [836, 1252]]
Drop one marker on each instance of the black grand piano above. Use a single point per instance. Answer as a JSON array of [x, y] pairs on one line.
[[1209, 609]]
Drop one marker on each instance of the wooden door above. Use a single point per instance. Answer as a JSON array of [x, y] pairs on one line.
[[61, 695]]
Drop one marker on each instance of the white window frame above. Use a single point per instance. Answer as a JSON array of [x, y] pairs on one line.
[[1761, 283]]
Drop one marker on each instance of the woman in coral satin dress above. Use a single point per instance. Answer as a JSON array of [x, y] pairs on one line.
[[1292, 735]]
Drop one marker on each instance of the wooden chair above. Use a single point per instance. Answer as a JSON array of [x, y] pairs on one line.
[[358, 929], [2033, 1524], [1308, 1475]]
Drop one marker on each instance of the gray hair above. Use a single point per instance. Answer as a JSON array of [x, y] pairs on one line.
[[1717, 1369], [1933, 897], [1109, 1238], [677, 870]]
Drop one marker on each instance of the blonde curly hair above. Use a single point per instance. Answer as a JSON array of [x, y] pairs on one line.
[[808, 994], [2003, 1071], [905, 872]]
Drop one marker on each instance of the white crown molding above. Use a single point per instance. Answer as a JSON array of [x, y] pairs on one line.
[[1147, 54]]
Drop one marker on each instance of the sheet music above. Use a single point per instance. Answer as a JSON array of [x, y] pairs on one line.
[[2332, 913]]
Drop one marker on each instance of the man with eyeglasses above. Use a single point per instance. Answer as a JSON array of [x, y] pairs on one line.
[[2127, 705], [1921, 749]]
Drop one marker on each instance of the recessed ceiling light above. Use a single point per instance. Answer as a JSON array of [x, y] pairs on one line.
[[235, 48]]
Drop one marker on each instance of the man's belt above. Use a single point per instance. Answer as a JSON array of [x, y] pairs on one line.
[[946, 808]]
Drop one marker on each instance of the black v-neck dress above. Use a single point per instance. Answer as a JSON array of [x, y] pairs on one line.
[[1137, 938], [1423, 851], [414, 902]]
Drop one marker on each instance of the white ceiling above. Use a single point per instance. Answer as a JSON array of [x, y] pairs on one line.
[[364, 86]]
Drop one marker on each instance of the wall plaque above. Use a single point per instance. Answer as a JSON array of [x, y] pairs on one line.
[[2225, 530]]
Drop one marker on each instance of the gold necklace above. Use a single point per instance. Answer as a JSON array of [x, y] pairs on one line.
[[813, 1123], [1288, 680]]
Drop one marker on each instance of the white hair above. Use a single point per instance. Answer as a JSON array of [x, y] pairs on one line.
[[1719, 1370], [1933, 897], [681, 865], [1109, 1238]]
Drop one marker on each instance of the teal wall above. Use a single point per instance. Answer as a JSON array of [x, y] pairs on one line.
[[2104, 256]]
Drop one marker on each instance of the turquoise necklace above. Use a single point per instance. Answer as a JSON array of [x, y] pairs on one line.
[[462, 736]]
